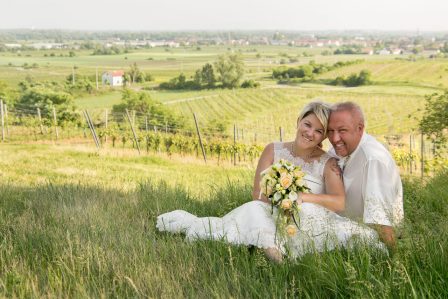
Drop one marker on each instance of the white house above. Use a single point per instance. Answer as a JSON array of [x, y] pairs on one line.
[[113, 78], [397, 51], [163, 43], [368, 51], [47, 46], [13, 46], [384, 52]]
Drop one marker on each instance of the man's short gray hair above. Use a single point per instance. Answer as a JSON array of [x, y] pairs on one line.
[[351, 107]]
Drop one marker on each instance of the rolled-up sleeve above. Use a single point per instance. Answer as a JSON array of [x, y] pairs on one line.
[[383, 195]]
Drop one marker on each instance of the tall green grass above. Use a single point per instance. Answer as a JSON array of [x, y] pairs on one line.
[[83, 237]]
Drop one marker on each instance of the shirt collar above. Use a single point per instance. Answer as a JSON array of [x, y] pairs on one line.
[[344, 160]]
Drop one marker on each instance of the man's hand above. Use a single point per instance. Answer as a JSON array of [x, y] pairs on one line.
[[334, 166], [387, 235]]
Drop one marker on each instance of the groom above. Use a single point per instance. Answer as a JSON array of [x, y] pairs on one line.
[[374, 193]]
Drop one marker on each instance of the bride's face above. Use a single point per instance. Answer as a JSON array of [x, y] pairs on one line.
[[310, 132]]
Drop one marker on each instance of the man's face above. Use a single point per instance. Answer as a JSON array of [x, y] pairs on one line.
[[344, 132]]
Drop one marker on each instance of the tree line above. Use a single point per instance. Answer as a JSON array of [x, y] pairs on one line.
[[226, 72], [307, 72]]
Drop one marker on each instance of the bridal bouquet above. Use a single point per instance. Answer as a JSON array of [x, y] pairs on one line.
[[281, 184]]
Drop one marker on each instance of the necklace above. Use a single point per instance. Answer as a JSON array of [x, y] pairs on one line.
[[304, 158]]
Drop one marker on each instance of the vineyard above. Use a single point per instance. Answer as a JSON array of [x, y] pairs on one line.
[[147, 134], [424, 73], [234, 125], [142, 133], [268, 109]]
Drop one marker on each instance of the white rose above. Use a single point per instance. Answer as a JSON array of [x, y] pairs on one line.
[[298, 173], [299, 182], [277, 196], [293, 196]]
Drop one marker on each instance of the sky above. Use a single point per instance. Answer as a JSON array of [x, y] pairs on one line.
[[180, 15]]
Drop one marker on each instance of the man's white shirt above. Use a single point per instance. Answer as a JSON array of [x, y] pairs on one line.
[[374, 193]]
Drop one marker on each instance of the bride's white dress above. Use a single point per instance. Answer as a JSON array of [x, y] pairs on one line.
[[253, 223]]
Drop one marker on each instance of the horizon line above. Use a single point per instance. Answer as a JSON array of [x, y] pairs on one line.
[[417, 30]]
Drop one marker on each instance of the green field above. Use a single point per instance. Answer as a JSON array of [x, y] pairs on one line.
[[34, 165], [427, 73], [399, 84], [166, 63], [75, 223]]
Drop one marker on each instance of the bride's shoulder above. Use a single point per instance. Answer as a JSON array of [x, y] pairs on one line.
[[277, 146], [330, 164], [325, 158], [270, 147], [268, 151]]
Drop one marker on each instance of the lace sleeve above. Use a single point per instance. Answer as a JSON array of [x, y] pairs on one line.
[[322, 162]]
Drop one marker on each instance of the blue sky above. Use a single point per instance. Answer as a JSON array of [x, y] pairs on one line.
[[428, 15]]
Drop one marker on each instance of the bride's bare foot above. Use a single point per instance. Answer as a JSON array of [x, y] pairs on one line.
[[274, 255]]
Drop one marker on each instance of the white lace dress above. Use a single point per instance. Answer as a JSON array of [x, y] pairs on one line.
[[253, 223]]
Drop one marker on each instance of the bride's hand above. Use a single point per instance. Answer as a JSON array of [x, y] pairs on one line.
[[262, 198]]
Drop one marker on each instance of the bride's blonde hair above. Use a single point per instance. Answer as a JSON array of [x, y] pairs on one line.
[[318, 108]]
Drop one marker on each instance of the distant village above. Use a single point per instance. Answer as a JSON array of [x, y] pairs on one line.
[[343, 44]]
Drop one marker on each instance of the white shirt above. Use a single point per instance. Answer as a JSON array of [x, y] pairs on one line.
[[374, 193]]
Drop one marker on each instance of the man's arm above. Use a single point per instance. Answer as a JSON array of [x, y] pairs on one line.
[[382, 195]]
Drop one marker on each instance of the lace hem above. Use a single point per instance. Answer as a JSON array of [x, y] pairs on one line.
[[251, 224], [214, 228], [256, 238]]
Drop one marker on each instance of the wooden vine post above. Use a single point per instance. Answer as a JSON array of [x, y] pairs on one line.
[[133, 131], [39, 116], [199, 136], [92, 129], [55, 122]]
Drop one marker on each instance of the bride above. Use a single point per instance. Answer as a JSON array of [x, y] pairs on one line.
[[320, 227]]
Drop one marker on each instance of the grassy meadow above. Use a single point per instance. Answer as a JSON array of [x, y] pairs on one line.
[[75, 223]]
